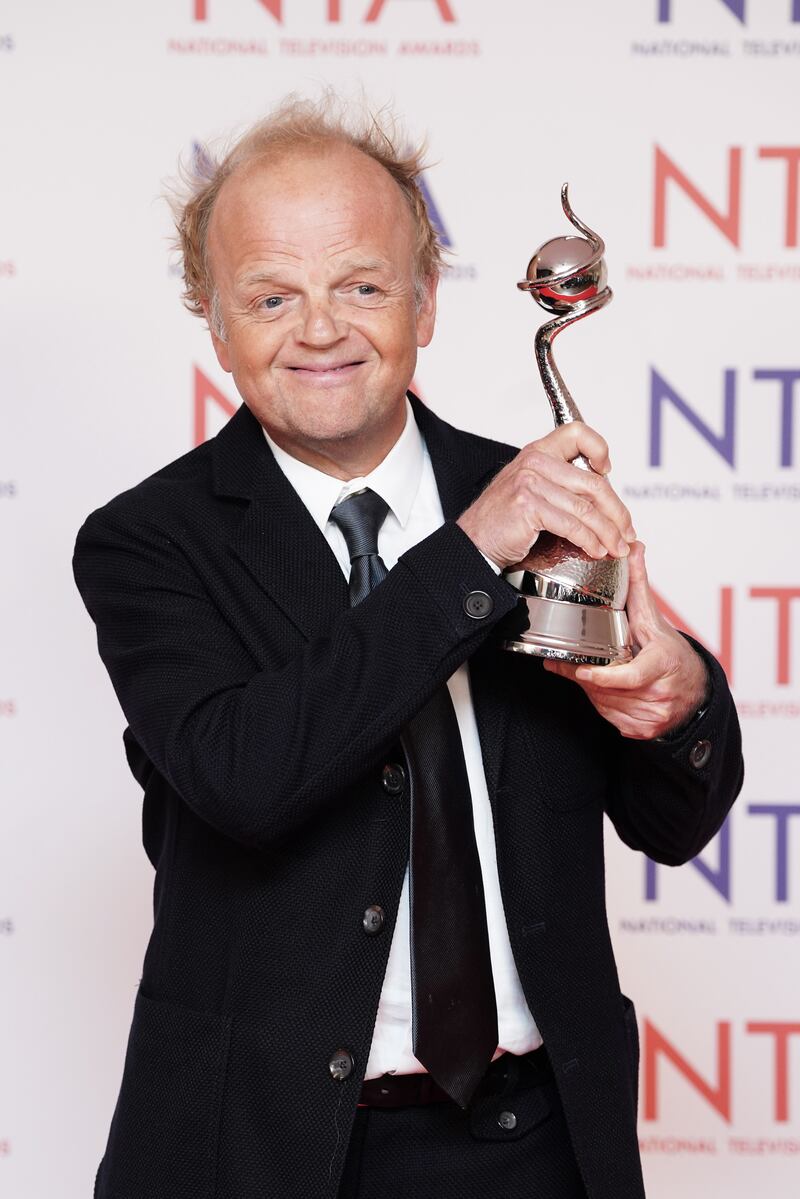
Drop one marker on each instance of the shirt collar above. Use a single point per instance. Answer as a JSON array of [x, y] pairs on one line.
[[396, 479]]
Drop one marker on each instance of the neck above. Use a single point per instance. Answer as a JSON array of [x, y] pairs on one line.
[[346, 459]]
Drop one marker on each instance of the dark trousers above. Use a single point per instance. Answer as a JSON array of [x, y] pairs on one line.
[[511, 1143]]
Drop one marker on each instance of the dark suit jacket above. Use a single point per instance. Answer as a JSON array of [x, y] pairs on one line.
[[262, 709]]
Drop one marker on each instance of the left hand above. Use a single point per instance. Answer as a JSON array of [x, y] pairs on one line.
[[665, 683]]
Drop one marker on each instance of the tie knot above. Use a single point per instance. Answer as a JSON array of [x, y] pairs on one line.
[[360, 517]]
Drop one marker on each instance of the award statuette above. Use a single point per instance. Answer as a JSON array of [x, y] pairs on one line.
[[576, 604]]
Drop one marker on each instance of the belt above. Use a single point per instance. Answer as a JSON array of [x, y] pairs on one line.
[[404, 1090]]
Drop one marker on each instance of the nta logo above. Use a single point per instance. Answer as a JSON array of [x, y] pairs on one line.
[[331, 10], [777, 627], [664, 397], [718, 1092], [718, 875], [737, 8], [728, 218]]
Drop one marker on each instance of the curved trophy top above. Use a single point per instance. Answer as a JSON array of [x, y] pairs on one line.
[[566, 272]]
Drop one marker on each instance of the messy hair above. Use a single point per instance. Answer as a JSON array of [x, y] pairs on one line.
[[298, 124]]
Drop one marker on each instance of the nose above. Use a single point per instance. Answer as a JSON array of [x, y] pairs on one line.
[[320, 326]]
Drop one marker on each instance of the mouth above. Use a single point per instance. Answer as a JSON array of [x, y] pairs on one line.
[[326, 374]]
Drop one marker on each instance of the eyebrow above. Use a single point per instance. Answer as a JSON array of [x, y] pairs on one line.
[[258, 277], [353, 265], [350, 266]]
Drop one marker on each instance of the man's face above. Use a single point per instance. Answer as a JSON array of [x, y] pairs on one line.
[[313, 262]]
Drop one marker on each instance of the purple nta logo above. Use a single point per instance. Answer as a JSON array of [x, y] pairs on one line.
[[737, 9]]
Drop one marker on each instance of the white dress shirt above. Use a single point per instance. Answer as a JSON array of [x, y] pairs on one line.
[[405, 480]]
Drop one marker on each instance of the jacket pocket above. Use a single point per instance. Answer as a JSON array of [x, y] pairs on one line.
[[163, 1138]]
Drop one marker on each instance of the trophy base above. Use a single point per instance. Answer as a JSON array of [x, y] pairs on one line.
[[588, 634]]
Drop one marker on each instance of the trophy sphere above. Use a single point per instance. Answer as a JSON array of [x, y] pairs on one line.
[[560, 255]]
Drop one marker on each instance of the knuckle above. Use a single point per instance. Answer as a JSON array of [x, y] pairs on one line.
[[666, 715], [535, 458], [609, 494]]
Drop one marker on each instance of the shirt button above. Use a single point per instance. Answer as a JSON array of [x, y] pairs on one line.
[[373, 919], [478, 604], [393, 778], [507, 1120], [341, 1065], [699, 754]]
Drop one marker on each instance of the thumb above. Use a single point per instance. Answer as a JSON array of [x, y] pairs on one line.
[[643, 615]]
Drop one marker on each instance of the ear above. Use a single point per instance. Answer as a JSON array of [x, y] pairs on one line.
[[220, 346], [426, 313]]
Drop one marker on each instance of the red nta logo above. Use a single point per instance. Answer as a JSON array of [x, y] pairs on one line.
[[331, 9], [726, 217]]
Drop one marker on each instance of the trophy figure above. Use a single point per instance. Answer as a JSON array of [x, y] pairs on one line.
[[576, 604]]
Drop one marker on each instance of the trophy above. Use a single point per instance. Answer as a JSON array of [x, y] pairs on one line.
[[576, 604]]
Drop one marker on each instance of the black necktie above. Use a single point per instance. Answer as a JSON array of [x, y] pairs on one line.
[[454, 1012]]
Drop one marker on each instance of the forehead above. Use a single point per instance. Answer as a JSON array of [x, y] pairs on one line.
[[310, 203]]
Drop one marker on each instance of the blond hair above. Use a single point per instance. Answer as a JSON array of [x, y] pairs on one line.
[[298, 124]]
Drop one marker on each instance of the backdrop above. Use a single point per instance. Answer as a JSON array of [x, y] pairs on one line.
[[675, 122]]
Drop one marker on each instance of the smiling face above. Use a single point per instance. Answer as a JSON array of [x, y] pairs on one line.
[[313, 261]]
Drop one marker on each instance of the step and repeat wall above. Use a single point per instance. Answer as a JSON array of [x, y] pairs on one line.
[[675, 123]]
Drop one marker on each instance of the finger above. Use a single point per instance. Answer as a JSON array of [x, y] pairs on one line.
[[592, 489], [557, 519], [556, 666], [576, 672], [643, 616], [645, 669], [606, 498], [568, 441], [604, 678], [582, 509]]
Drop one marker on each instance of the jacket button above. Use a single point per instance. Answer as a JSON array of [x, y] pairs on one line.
[[341, 1065], [373, 919], [478, 604], [699, 754], [507, 1120], [393, 778]]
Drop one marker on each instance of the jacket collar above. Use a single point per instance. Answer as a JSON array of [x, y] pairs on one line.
[[278, 540], [244, 467], [284, 550]]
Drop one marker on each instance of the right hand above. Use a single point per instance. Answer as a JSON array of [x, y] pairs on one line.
[[541, 490]]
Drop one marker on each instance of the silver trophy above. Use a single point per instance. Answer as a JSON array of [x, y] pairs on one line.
[[576, 604]]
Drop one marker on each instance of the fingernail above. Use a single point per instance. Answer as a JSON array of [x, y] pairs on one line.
[[631, 533], [584, 673], [623, 548]]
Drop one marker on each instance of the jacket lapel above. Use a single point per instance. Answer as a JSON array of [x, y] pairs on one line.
[[288, 556], [277, 539], [463, 465]]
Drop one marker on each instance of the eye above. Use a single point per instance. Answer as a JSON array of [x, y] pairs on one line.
[[367, 289], [272, 302]]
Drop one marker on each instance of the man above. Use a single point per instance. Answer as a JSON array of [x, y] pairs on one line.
[[380, 963]]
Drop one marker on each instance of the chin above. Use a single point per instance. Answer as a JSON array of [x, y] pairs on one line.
[[335, 424]]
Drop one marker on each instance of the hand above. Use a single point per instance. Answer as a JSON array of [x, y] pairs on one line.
[[541, 489], [665, 683]]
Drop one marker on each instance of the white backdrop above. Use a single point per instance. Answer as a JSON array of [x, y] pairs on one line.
[[676, 125]]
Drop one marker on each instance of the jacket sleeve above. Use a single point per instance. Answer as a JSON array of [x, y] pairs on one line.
[[669, 797], [257, 753]]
